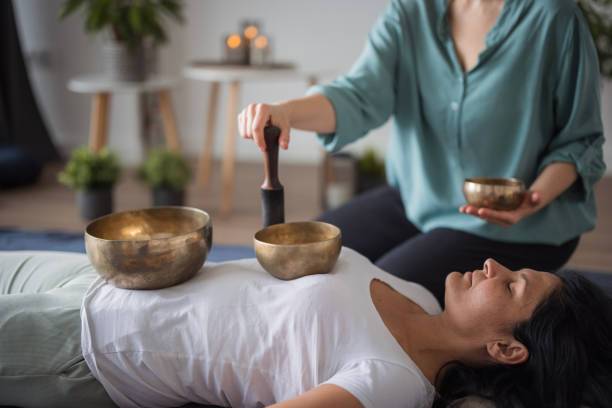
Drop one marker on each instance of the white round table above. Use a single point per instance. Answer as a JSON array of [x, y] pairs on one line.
[[101, 88], [217, 73]]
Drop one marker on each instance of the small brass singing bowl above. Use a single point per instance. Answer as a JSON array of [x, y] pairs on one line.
[[296, 249], [150, 248], [504, 194]]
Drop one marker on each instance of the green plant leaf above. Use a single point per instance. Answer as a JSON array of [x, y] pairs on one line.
[[158, 32], [86, 169], [370, 164], [165, 168], [69, 7], [598, 15], [135, 17], [172, 8], [128, 21], [99, 15]]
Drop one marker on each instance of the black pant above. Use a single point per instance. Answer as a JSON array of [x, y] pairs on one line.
[[375, 225]]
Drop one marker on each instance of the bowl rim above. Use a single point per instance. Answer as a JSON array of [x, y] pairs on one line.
[[192, 209], [335, 237], [496, 181]]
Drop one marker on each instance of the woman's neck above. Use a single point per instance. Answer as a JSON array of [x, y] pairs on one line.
[[477, 11], [470, 22], [477, 3], [430, 340]]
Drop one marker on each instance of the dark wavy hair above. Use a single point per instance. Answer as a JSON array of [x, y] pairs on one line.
[[569, 338]]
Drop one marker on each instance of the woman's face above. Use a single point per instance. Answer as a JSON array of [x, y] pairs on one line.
[[495, 298]]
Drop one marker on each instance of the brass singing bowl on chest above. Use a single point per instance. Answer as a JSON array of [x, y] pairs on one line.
[[296, 249], [150, 248], [504, 194]]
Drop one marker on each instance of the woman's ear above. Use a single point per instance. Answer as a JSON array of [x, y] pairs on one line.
[[508, 351]]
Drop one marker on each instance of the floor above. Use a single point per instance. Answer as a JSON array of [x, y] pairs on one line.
[[50, 206]]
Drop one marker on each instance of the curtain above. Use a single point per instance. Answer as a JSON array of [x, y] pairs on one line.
[[21, 124]]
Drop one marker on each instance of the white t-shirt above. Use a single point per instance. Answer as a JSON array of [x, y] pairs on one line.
[[235, 336]]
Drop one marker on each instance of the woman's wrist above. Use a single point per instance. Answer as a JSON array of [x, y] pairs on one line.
[[314, 113], [286, 107], [553, 181]]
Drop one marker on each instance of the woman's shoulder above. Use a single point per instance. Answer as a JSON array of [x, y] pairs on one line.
[[556, 9], [560, 20]]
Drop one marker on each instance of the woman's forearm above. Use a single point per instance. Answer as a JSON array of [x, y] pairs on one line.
[[554, 180], [314, 113]]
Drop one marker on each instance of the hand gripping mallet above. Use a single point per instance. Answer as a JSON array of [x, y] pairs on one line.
[[272, 200]]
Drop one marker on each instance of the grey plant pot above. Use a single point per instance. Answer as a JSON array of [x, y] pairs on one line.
[[123, 64], [94, 203], [166, 196]]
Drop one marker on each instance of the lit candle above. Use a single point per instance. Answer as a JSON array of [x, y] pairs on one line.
[[251, 31], [235, 50], [259, 51]]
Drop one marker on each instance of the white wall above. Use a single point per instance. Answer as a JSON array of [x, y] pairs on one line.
[[57, 51], [316, 35], [606, 114]]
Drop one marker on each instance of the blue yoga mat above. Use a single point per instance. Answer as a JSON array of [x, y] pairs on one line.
[[16, 240]]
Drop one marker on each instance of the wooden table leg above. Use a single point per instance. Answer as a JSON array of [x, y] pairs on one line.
[[98, 126], [165, 104], [228, 158], [204, 163]]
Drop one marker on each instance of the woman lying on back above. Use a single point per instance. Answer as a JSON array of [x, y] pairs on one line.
[[357, 337]]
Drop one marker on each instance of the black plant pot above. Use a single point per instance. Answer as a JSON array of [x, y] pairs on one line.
[[94, 203], [167, 196]]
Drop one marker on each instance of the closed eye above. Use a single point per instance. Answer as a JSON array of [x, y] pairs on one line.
[[509, 287]]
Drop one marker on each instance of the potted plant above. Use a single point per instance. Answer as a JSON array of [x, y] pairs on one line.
[[167, 173], [129, 24], [93, 176], [598, 14], [371, 171]]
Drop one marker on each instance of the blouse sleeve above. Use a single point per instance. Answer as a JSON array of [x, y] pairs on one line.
[[579, 131], [378, 384], [365, 97]]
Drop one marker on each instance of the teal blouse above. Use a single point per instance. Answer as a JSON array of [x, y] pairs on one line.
[[531, 100]]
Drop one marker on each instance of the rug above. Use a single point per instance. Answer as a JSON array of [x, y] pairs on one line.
[[17, 240]]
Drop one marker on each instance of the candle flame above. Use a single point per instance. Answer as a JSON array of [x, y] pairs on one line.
[[233, 41], [261, 42], [251, 32]]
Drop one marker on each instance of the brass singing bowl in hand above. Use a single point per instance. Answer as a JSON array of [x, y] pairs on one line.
[[504, 194], [296, 249], [151, 248]]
